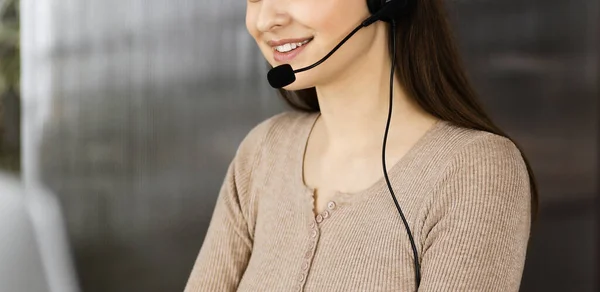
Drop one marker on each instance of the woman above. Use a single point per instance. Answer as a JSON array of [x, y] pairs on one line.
[[304, 205]]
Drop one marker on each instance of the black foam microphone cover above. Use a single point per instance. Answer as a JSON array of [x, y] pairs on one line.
[[281, 76]]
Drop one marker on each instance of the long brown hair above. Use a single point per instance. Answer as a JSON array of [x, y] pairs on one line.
[[431, 71]]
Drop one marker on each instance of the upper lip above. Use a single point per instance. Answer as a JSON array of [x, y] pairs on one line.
[[274, 43]]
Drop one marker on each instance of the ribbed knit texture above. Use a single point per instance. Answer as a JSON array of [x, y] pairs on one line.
[[465, 194]]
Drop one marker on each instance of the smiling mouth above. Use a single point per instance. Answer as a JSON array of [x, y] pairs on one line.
[[286, 48]]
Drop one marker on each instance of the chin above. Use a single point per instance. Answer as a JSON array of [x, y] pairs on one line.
[[297, 86], [301, 83]]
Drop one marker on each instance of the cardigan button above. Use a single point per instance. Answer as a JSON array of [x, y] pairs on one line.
[[319, 218], [325, 214], [301, 277], [331, 205]]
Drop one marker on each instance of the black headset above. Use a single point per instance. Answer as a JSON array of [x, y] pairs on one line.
[[390, 10], [375, 5]]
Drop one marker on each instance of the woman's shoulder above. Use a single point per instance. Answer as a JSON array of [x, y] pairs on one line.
[[466, 142], [275, 129], [475, 153]]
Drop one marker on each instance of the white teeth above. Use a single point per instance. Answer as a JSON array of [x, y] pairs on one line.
[[290, 46]]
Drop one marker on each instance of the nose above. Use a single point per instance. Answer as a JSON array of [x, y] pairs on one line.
[[273, 15]]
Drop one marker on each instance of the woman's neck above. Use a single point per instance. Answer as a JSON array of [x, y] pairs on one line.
[[354, 110]]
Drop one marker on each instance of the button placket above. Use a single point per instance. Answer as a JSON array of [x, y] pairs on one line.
[[313, 235], [331, 205]]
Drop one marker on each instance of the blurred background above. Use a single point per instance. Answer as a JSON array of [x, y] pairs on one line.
[[125, 110]]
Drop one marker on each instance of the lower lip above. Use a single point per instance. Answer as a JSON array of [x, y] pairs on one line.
[[288, 56]]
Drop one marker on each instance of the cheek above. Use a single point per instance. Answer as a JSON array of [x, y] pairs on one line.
[[331, 19], [251, 22], [334, 20], [322, 16], [255, 33], [251, 18]]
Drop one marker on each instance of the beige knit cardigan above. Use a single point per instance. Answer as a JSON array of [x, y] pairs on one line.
[[465, 194]]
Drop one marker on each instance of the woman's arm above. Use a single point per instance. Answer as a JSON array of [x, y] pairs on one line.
[[227, 247], [479, 223]]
